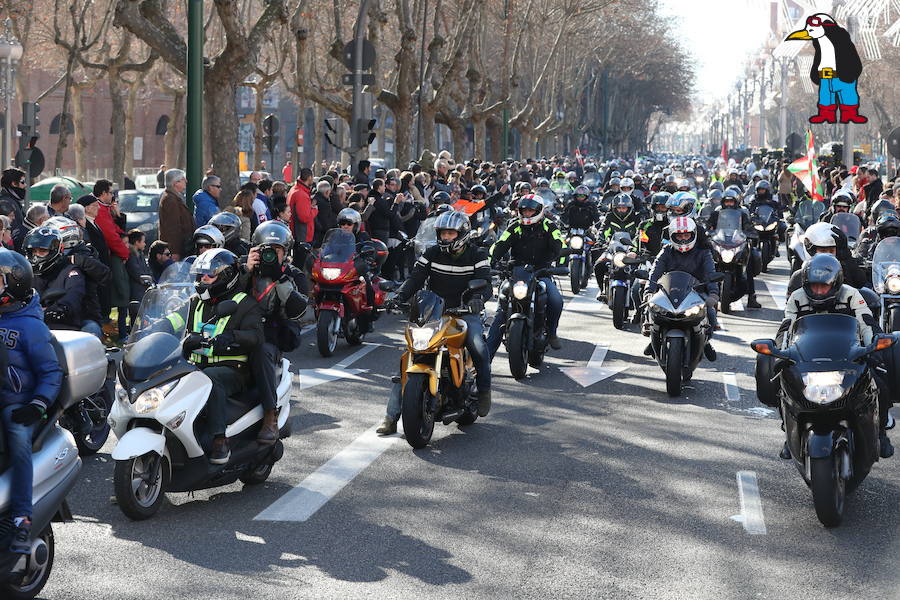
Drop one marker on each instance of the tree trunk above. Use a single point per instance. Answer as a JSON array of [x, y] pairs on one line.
[[429, 142], [128, 168], [117, 120], [496, 136], [460, 140], [173, 140], [221, 111], [80, 139], [63, 126], [479, 146], [258, 132], [404, 129]]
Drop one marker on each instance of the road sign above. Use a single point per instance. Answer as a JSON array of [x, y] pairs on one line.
[[893, 143], [367, 79], [368, 55], [34, 159]]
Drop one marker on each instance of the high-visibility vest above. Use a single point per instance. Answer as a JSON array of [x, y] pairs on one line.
[[205, 356]]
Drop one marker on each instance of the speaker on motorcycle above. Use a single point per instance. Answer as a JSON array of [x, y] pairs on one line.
[[755, 261]]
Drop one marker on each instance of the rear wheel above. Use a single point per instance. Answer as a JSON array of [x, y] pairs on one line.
[[828, 489], [140, 485], [674, 361], [40, 564], [97, 408], [618, 307], [327, 332], [517, 342], [417, 410], [575, 268]]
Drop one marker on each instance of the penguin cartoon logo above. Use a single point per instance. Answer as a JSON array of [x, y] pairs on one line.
[[835, 69]]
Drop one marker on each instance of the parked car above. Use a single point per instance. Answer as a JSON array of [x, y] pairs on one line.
[[148, 181], [141, 208]]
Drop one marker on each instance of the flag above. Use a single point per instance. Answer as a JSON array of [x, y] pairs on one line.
[[725, 151], [806, 169], [578, 156]]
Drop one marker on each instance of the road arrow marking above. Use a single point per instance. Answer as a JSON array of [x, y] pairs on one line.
[[310, 378], [594, 371], [751, 505]]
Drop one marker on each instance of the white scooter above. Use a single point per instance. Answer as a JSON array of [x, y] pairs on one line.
[[159, 419]]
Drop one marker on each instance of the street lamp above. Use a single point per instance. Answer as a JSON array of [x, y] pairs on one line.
[[10, 53]]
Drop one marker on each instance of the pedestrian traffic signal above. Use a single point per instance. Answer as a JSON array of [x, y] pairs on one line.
[[270, 133], [331, 130], [365, 132], [29, 126]]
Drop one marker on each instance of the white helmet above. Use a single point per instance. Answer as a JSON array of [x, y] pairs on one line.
[[683, 225], [819, 235], [627, 182]]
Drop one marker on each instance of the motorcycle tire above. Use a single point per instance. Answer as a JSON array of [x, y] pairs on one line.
[[766, 256], [828, 489], [257, 474], [674, 363], [33, 581], [353, 335], [766, 389], [893, 319], [619, 310], [417, 410], [725, 297], [575, 276], [517, 342], [326, 332], [155, 470], [90, 443]]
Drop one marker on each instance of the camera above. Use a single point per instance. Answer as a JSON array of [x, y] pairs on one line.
[[268, 255]]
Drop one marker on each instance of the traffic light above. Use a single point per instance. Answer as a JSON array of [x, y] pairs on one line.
[[270, 133], [365, 132], [29, 125], [331, 136]]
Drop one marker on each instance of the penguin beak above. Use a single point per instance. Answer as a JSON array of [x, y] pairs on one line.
[[799, 35]]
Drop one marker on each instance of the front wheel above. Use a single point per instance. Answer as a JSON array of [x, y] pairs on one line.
[[140, 485], [327, 332], [725, 297], [517, 343], [618, 307], [97, 408], [417, 410], [893, 319], [40, 564], [674, 361], [575, 276], [828, 489]]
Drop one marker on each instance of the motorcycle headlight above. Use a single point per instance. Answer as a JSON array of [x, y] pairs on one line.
[[150, 400], [823, 387], [727, 255], [331, 273], [520, 290], [421, 336], [576, 243], [759, 227], [619, 259], [693, 311], [893, 284], [771, 226]]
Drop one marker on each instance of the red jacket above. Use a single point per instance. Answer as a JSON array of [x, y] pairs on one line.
[[111, 232], [303, 214]]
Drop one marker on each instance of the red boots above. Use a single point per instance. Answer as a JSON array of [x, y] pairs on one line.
[[827, 114], [849, 114]]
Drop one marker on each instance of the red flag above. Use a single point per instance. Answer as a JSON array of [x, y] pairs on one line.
[[806, 169], [725, 150], [578, 156]]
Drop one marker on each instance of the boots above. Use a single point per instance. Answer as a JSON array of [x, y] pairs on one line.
[[849, 114], [785, 453], [484, 402], [885, 448], [752, 302], [268, 433], [220, 452], [827, 114], [388, 427]]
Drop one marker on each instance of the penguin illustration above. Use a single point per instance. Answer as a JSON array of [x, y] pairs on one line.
[[836, 68]]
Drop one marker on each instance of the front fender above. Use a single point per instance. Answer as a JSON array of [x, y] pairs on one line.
[[432, 376], [137, 442], [819, 445], [675, 333], [337, 307]]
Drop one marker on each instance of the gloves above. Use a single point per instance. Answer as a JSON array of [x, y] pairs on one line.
[[56, 314], [712, 300], [222, 341], [476, 305], [28, 415], [842, 250], [192, 342], [283, 289]]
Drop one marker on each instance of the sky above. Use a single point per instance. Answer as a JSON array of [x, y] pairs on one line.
[[719, 34]]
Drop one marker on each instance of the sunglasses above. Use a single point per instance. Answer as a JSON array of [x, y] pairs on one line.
[[214, 185], [817, 22], [167, 253]]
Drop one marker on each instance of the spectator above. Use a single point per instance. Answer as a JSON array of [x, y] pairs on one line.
[[243, 202], [329, 207], [282, 212], [137, 268], [159, 258], [176, 223], [303, 211], [260, 207], [362, 172], [265, 194], [279, 192], [206, 200], [255, 177], [118, 249], [60, 199], [379, 221], [5, 235], [161, 176], [36, 216], [287, 171], [12, 194]]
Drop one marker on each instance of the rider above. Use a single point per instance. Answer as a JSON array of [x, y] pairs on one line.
[[560, 184], [580, 213], [43, 247], [825, 238], [653, 230], [271, 279], [621, 217], [683, 253], [206, 237], [841, 202], [731, 200], [531, 240], [448, 267], [230, 226], [762, 196], [823, 291], [30, 382]]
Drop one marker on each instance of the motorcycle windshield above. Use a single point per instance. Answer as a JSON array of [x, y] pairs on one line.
[[765, 214], [825, 337], [808, 213], [592, 180], [678, 285], [885, 263], [338, 246], [427, 236], [848, 223], [728, 228], [549, 198], [426, 306]]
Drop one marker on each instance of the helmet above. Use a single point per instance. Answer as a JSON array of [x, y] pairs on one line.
[[638, 178], [590, 168], [571, 175], [658, 177], [622, 201], [275, 233], [523, 187], [681, 204], [533, 202], [764, 173], [683, 225], [615, 181], [714, 197], [228, 223], [441, 209], [763, 185], [841, 198], [627, 182], [717, 185], [629, 173], [69, 231], [46, 238], [208, 235], [689, 171], [666, 172], [657, 200], [17, 278], [819, 235], [730, 194], [349, 215], [880, 207], [479, 189], [888, 225], [220, 263], [685, 184], [381, 251], [671, 179], [735, 189], [559, 175], [458, 222], [541, 182], [616, 174], [822, 280], [440, 197], [582, 191]]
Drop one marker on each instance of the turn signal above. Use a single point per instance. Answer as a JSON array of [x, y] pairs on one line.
[[884, 342], [761, 347]]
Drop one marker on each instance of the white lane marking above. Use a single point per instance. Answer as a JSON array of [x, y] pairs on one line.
[[732, 390], [307, 329], [302, 502], [778, 291], [309, 378], [594, 371], [751, 505]]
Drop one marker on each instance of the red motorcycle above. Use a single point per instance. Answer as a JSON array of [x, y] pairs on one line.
[[339, 290]]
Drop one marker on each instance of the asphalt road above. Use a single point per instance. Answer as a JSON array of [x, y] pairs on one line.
[[613, 490]]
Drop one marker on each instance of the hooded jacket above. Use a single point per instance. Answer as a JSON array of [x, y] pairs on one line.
[[31, 371]]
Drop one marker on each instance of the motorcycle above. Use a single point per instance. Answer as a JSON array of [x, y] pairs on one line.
[[731, 254], [436, 371], [679, 326], [159, 416], [340, 292], [806, 215], [886, 281], [56, 466], [579, 261], [829, 402], [525, 331], [765, 221], [620, 276]]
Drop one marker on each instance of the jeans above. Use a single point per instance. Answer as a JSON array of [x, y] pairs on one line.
[[262, 365], [553, 312], [18, 442], [834, 91], [227, 381], [93, 328]]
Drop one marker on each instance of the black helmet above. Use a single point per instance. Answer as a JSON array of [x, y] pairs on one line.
[[440, 198], [717, 185], [880, 207], [715, 197], [220, 263], [274, 233], [729, 195], [228, 223], [658, 204], [458, 222], [17, 279], [582, 192], [209, 236], [381, 251], [479, 189], [622, 201], [47, 238], [822, 270], [763, 185], [888, 225]]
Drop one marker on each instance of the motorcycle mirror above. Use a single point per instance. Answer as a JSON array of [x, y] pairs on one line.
[[226, 308], [147, 280], [767, 347]]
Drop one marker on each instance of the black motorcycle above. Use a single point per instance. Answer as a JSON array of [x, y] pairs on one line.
[[525, 332], [680, 328], [731, 254], [765, 221], [829, 403], [580, 242], [620, 276]]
